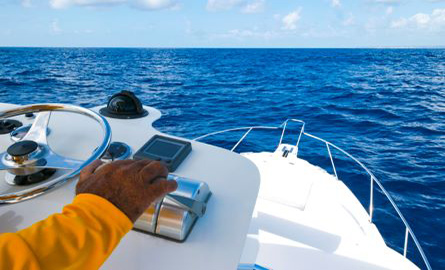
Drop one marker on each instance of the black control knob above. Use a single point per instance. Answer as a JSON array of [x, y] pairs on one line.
[[116, 151], [8, 125], [22, 148]]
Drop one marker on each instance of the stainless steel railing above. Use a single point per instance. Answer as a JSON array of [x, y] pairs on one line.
[[408, 231]]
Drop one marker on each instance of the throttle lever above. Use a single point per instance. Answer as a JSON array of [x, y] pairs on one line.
[[193, 206]]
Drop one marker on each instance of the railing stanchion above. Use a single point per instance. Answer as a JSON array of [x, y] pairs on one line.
[[405, 248], [240, 140], [332, 160], [299, 136], [371, 199], [282, 133]]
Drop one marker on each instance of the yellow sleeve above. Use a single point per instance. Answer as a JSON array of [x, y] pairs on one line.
[[81, 237]]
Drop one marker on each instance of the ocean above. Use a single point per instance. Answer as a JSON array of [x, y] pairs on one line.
[[384, 106]]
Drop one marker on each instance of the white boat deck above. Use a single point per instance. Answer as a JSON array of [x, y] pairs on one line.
[[306, 216]]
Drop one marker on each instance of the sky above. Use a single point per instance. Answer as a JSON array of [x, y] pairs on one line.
[[223, 23]]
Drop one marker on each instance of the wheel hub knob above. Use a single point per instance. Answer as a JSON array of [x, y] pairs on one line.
[[21, 150]]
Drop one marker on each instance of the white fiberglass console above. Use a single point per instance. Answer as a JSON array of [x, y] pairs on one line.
[[217, 239]]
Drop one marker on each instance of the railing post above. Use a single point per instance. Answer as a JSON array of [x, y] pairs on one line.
[[240, 140], [405, 248], [371, 199], [299, 136], [282, 133], [332, 160]]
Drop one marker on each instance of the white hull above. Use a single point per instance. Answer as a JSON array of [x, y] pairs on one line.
[[305, 218]]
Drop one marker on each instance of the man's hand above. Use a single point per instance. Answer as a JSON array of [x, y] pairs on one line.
[[130, 185]]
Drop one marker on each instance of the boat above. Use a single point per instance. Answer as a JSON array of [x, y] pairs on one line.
[[246, 211]]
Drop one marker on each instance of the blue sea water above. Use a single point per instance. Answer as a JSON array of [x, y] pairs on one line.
[[385, 107]]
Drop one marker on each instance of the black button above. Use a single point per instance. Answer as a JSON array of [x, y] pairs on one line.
[[8, 125], [22, 148]]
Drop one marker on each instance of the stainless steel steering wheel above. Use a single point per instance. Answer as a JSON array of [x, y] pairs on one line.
[[32, 153]]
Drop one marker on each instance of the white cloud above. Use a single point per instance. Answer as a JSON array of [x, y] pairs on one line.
[[60, 4], [217, 5], [290, 20], [389, 10], [439, 14], [433, 22], [421, 19], [156, 4], [241, 34], [55, 27], [142, 4], [254, 7], [335, 3]]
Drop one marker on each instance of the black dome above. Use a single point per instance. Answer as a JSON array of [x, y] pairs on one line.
[[124, 105]]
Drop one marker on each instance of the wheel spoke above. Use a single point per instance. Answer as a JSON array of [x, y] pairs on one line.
[[38, 130], [56, 161]]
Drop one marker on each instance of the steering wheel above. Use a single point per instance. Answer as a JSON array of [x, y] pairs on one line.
[[32, 153]]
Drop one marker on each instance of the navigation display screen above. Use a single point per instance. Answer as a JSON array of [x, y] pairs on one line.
[[169, 151], [163, 148]]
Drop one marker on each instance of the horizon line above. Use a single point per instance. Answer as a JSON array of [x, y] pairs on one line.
[[186, 47]]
